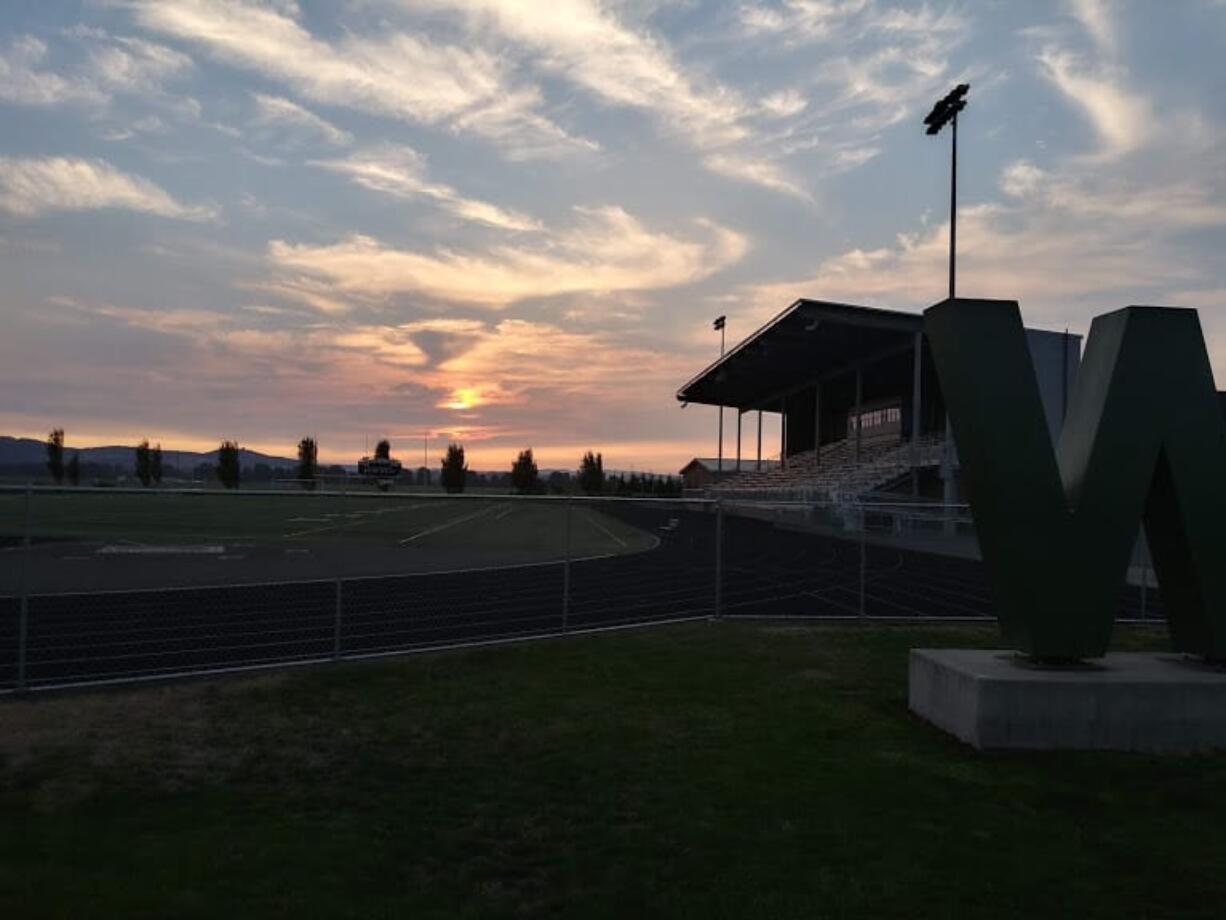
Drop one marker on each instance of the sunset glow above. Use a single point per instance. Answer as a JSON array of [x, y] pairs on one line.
[[463, 399]]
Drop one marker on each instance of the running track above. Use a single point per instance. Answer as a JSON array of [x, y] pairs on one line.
[[768, 572]]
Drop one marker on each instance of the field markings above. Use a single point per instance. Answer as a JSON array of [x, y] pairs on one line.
[[591, 516], [446, 524], [364, 520], [504, 512]]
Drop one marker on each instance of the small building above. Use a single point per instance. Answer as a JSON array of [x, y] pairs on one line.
[[702, 472]]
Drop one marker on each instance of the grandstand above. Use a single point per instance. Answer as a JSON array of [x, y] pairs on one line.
[[859, 403]]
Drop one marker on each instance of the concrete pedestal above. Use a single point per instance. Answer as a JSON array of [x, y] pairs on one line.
[[1124, 702]]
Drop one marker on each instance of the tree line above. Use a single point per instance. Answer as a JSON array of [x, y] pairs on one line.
[[454, 476], [589, 479]]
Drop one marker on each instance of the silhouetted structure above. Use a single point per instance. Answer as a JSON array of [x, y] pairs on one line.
[[858, 399]]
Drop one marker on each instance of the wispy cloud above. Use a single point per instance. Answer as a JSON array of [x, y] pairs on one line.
[[25, 82], [1121, 119], [589, 45], [607, 250], [784, 103], [400, 75], [29, 187], [757, 171], [132, 65], [101, 65], [870, 63], [277, 110], [1062, 244], [1098, 17], [585, 43], [401, 172]]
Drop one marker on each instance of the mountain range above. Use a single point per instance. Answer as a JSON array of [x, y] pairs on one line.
[[26, 451]]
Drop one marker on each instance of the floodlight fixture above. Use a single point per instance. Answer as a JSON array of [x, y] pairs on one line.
[[945, 112]]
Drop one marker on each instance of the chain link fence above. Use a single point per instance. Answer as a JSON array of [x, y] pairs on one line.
[[109, 585]]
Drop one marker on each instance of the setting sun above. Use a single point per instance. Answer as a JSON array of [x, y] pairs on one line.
[[464, 398]]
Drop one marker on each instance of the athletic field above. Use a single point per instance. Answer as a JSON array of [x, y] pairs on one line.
[[131, 586], [84, 541]]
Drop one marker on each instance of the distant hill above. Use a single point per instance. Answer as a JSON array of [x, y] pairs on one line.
[[15, 452]]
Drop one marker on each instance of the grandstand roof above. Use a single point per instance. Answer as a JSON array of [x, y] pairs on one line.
[[712, 464], [810, 340]]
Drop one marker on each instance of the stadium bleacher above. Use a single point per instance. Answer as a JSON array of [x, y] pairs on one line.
[[835, 474], [824, 371]]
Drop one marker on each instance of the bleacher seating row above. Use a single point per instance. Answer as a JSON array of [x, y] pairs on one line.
[[835, 473]]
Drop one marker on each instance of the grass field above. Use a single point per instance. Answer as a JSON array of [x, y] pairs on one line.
[[708, 770], [304, 518], [265, 537]]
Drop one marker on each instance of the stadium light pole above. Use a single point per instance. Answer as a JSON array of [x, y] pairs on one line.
[[945, 112], [718, 325]]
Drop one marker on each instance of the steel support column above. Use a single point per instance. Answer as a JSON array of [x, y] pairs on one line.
[[817, 426], [916, 395], [859, 394], [759, 461], [737, 468], [783, 433]]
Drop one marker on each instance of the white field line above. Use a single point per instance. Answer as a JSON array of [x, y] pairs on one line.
[[591, 516], [363, 520], [506, 511], [446, 524]]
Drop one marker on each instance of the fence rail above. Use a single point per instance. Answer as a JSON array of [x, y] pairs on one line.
[[101, 585]]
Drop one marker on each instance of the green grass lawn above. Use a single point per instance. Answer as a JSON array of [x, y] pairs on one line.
[[475, 525], [707, 770]]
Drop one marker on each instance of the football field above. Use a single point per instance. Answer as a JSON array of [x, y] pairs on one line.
[[106, 540]]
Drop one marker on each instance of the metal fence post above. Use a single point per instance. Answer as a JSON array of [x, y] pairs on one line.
[[566, 570], [863, 557], [336, 629], [719, 558], [23, 615], [1144, 574]]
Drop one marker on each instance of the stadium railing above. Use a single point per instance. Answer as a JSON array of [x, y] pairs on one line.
[[102, 585]]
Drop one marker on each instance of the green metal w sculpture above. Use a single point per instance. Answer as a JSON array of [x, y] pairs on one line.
[[1143, 440]]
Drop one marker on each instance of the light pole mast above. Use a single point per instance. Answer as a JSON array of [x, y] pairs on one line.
[[719, 462], [945, 112]]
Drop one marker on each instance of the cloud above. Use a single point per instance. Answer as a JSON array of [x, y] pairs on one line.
[[276, 110], [871, 65], [1122, 120], [784, 103], [399, 75], [518, 361], [23, 83], [607, 250], [133, 65], [1170, 205], [1066, 245], [488, 386], [29, 187], [1096, 16], [401, 173], [586, 44], [635, 70], [106, 65], [756, 171]]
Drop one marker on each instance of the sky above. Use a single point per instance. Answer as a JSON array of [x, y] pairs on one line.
[[511, 223]]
